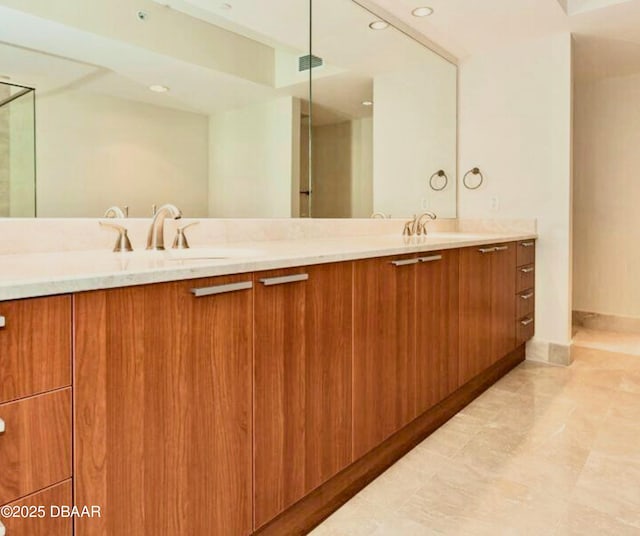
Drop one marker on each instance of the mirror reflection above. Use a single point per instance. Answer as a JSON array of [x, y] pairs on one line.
[[384, 119], [17, 151], [206, 106]]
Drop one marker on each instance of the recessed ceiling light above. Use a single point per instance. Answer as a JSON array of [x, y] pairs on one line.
[[157, 88], [367, 103], [422, 11], [379, 25]]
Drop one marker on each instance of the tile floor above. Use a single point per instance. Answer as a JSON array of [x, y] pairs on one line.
[[546, 451]]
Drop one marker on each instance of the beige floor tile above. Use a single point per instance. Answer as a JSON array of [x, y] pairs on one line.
[[580, 520], [547, 450]]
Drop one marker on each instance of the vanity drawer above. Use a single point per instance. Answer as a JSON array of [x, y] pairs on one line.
[[35, 446], [526, 302], [525, 328], [35, 338], [58, 495], [526, 252], [525, 278]]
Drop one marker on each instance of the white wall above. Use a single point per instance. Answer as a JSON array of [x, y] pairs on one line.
[[607, 191], [253, 155], [94, 151], [515, 124], [414, 135]]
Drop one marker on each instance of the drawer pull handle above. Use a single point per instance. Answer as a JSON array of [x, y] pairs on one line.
[[270, 281], [502, 248], [487, 250], [526, 270], [221, 289], [430, 259], [3, 427], [528, 244], [405, 262], [526, 321], [2, 529], [527, 296], [3, 321]]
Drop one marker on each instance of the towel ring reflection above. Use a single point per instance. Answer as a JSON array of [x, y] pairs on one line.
[[439, 173], [474, 171]]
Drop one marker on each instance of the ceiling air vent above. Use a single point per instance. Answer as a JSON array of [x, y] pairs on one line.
[[308, 62]]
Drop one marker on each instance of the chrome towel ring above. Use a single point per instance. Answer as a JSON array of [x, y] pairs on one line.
[[474, 171], [439, 173]]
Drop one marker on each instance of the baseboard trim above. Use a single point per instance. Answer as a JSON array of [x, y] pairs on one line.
[[606, 322], [307, 513], [549, 352]]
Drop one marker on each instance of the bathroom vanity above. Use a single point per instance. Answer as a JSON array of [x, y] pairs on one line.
[[247, 396]]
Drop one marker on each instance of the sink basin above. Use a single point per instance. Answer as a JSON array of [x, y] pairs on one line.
[[204, 253]]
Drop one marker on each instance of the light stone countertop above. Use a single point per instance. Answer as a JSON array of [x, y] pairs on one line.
[[43, 274]]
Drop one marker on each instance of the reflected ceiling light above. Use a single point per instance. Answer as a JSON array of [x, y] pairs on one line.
[[379, 25], [226, 5], [422, 11], [367, 103], [157, 88]]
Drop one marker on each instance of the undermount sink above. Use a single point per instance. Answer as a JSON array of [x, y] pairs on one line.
[[204, 253]]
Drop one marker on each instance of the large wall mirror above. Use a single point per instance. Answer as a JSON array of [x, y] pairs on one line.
[[207, 105]]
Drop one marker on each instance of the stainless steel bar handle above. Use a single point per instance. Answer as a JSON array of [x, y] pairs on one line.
[[221, 289], [405, 262], [3, 530], [487, 250], [526, 321], [270, 281], [3, 427], [527, 296], [528, 244], [502, 248], [526, 270], [431, 258], [3, 321]]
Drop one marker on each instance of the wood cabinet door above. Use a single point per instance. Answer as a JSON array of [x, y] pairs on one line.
[[35, 346], [384, 350], [503, 302], [476, 296], [35, 447], [437, 311], [302, 374], [46, 521], [163, 408]]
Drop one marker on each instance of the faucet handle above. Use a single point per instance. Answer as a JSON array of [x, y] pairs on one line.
[[122, 243], [180, 241]]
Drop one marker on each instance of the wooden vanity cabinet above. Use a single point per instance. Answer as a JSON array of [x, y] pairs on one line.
[[384, 375], [35, 343], [163, 400], [487, 308], [436, 330], [302, 375]]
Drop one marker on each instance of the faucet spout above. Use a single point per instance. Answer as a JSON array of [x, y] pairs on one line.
[[155, 238]]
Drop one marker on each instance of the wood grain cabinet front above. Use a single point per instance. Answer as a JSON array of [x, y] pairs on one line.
[[163, 400], [487, 307], [436, 317], [302, 375], [35, 343], [35, 444], [41, 514], [384, 375]]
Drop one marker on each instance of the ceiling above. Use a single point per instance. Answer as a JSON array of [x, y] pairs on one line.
[[607, 31]]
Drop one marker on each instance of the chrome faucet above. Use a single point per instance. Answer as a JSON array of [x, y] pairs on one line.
[[117, 212], [417, 227], [155, 238]]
